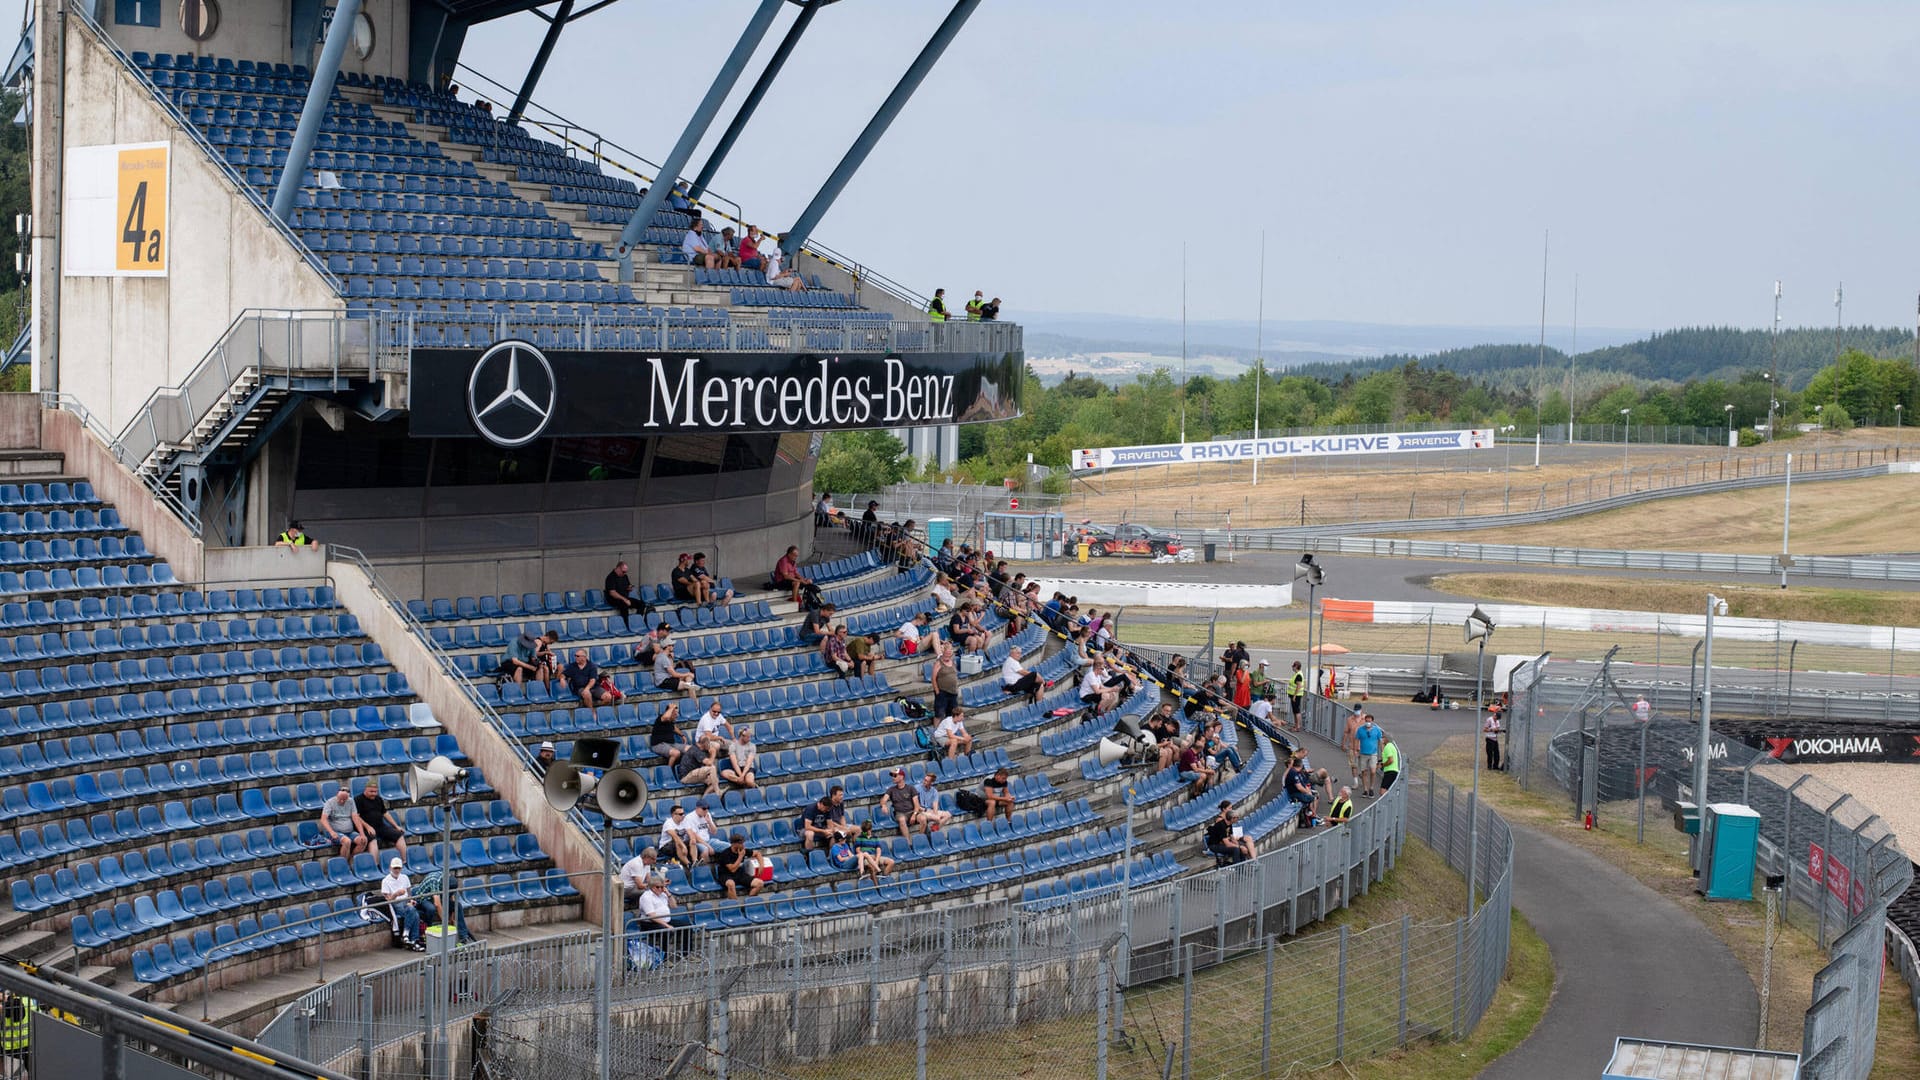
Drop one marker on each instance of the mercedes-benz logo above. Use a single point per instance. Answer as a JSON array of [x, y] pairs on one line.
[[510, 394]]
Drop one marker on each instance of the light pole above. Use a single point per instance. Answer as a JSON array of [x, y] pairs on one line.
[[1773, 362], [1715, 606], [1626, 434], [1729, 409], [1314, 575], [1820, 420], [1896, 419], [423, 781], [1786, 524], [1479, 629]]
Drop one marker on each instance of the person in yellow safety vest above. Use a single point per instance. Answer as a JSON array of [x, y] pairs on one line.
[[1342, 808], [1296, 687], [16, 1026], [974, 305], [937, 307], [294, 536]]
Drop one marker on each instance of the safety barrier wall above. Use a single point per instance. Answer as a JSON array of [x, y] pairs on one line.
[[1698, 562]]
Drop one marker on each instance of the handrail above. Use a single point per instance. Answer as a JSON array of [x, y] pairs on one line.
[[55, 399], [165, 100]]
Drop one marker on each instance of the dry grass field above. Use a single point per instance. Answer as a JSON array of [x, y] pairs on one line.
[[1858, 606]]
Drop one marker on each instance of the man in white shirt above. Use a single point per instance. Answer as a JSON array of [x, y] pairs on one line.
[[1094, 689], [1642, 711], [1016, 678], [657, 917], [1262, 709], [951, 733], [742, 756], [910, 633], [677, 834], [713, 731], [778, 275], [701, 825], [397, 889], [636, 872]]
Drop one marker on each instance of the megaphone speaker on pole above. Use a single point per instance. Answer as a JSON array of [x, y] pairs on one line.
[[567, 784], [600, 754], [622, 794], [1111, 751], [424, 780]]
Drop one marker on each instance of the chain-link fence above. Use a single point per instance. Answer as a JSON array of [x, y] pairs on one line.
[[1208, 974], [1838, 864]]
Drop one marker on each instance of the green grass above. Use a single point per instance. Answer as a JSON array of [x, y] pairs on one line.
[[1229, 997]]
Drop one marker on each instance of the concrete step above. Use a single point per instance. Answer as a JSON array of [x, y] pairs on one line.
[[28, 942], [41, 465]]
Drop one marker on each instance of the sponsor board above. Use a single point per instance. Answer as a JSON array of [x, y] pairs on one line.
[[1864, 746], [1286, 446]]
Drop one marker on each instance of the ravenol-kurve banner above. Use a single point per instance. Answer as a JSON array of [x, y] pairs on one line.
[[1291, 446]]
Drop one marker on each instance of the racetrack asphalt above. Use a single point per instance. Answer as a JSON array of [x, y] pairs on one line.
[[1627, 961]]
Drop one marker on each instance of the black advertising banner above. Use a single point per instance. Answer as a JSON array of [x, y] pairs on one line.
[[1842, 745], [514, 393]]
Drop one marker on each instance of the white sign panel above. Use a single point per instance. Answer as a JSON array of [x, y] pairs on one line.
[[1297, 446], [115, 219]]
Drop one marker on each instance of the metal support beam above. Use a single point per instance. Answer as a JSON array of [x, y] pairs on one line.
[[747, 107], [314, 113], [558, 23], [696, 128], [796, 237]]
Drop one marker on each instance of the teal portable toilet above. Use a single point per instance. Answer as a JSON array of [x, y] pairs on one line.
[[939, 531], [1733, 837]]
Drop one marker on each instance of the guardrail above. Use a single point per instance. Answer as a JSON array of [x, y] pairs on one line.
[[781, 331], [1699, 562]]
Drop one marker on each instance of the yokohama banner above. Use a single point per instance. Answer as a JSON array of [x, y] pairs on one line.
[[1286, 446], [516, 392]]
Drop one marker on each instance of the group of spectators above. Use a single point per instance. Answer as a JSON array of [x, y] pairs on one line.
[[1373, 764], [754, 251], [978, 309], [355, 823]]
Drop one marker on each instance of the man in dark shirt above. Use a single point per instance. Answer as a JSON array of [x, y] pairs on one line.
[[705, 585], [650, 644], [1300, 790], [375, 822], [816, 826], [817, 624], [619, 593], [997, 790], [870, 522], [543, 760], [733, 866], [683, 578], [583, 679], [1221, 843]]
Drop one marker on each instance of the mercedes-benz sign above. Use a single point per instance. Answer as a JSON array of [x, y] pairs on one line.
[[510, 395]]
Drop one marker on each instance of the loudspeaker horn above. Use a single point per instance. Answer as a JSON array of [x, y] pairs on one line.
[[1111, 751], [1476, 631], [1481, 617], [622, 794], [567, 784], [601, 754], [424, 780]]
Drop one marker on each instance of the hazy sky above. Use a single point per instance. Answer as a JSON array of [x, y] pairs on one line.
[[1402, 158]]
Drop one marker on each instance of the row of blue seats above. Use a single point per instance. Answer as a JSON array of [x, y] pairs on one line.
[[492, 247], [1180, 817], [812, 694], [362, 172], [881, 590], [138, 637], [466, 204], [435, 336], [191, 62], [1084, 736], [949, 843], [783, 831], [552, 292], [498, 635], [262, 696], [85, 549], [229, 941], [538, 724], [95, 789], [1092, 884], [434, 266], [250, 130], [58, 493], [169, 605], [87, 578], [75, 751], [130, 709], [769, 297], [30, 845], [344, 119], [563, 179], [115, 676], [1025, 717], [291, 92], [575, 602], [552, 160], [40, 523], [621, 201]]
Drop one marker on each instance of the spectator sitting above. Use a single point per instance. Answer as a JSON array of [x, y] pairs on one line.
[[695, 247], [943, 597], [733, 866], [665, 737], [337, 824], [910, 632], [1299, 786], [583, 681], [997, 792], [1226, 841], [619, 594], [742, 756], [778, 276], [636, 872], [817, 625], [951, 733], [650, 645], [863, 650], [817, 829], [902, 804], [1082, 656], [1340, 810], [834, 648], [750, 249], [375, 822], [963, 628], [1194, 770], [713, 731], [543, 758], [1214, 740], [680, 836], [681, 578], [397, 890], [529, 657], [872, 860], [1017, 678], [786, 573], [677, 197], [702, 823], [706, 586], [837, 812], [1094, 689], [670, 678], [930, 811], [729, 250], [656, 912], [870, 522], [696, 767]]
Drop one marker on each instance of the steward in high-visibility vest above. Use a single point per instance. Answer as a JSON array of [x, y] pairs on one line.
[[1296, 687], [937, 307], [974, 305], [1341, 810], [16, 1025], [294, 536]]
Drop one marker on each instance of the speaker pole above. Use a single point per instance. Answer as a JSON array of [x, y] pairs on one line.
[[604, 992]]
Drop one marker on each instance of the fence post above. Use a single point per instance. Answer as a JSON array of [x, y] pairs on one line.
[[1013, 972], [793, 987], [920, 1028], [722, 1042], [1105, 1034], [1459, 956], [1340, 1002], [873, 984], [1406, 932], [1186, 1014], [1266, 1016], [366, 1031], [1451, 792], [1821, 893]]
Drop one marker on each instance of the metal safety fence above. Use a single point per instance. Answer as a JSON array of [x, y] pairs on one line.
[[1694, 562], [1838, 863], [1211, 974]]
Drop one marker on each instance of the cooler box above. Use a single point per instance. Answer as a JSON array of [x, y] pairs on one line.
[[939, 531], [972, 663], [1732, 838]]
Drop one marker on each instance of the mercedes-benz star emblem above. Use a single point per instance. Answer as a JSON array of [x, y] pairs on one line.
[[510, 394]]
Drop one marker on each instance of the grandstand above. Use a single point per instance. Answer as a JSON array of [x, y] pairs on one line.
[[342, 267]]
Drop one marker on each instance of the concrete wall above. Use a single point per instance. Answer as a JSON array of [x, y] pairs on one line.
[[19, 421], [262, 30], [1191, 594], [266, 567], [485, 746], [121, 338], [166, 536]]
